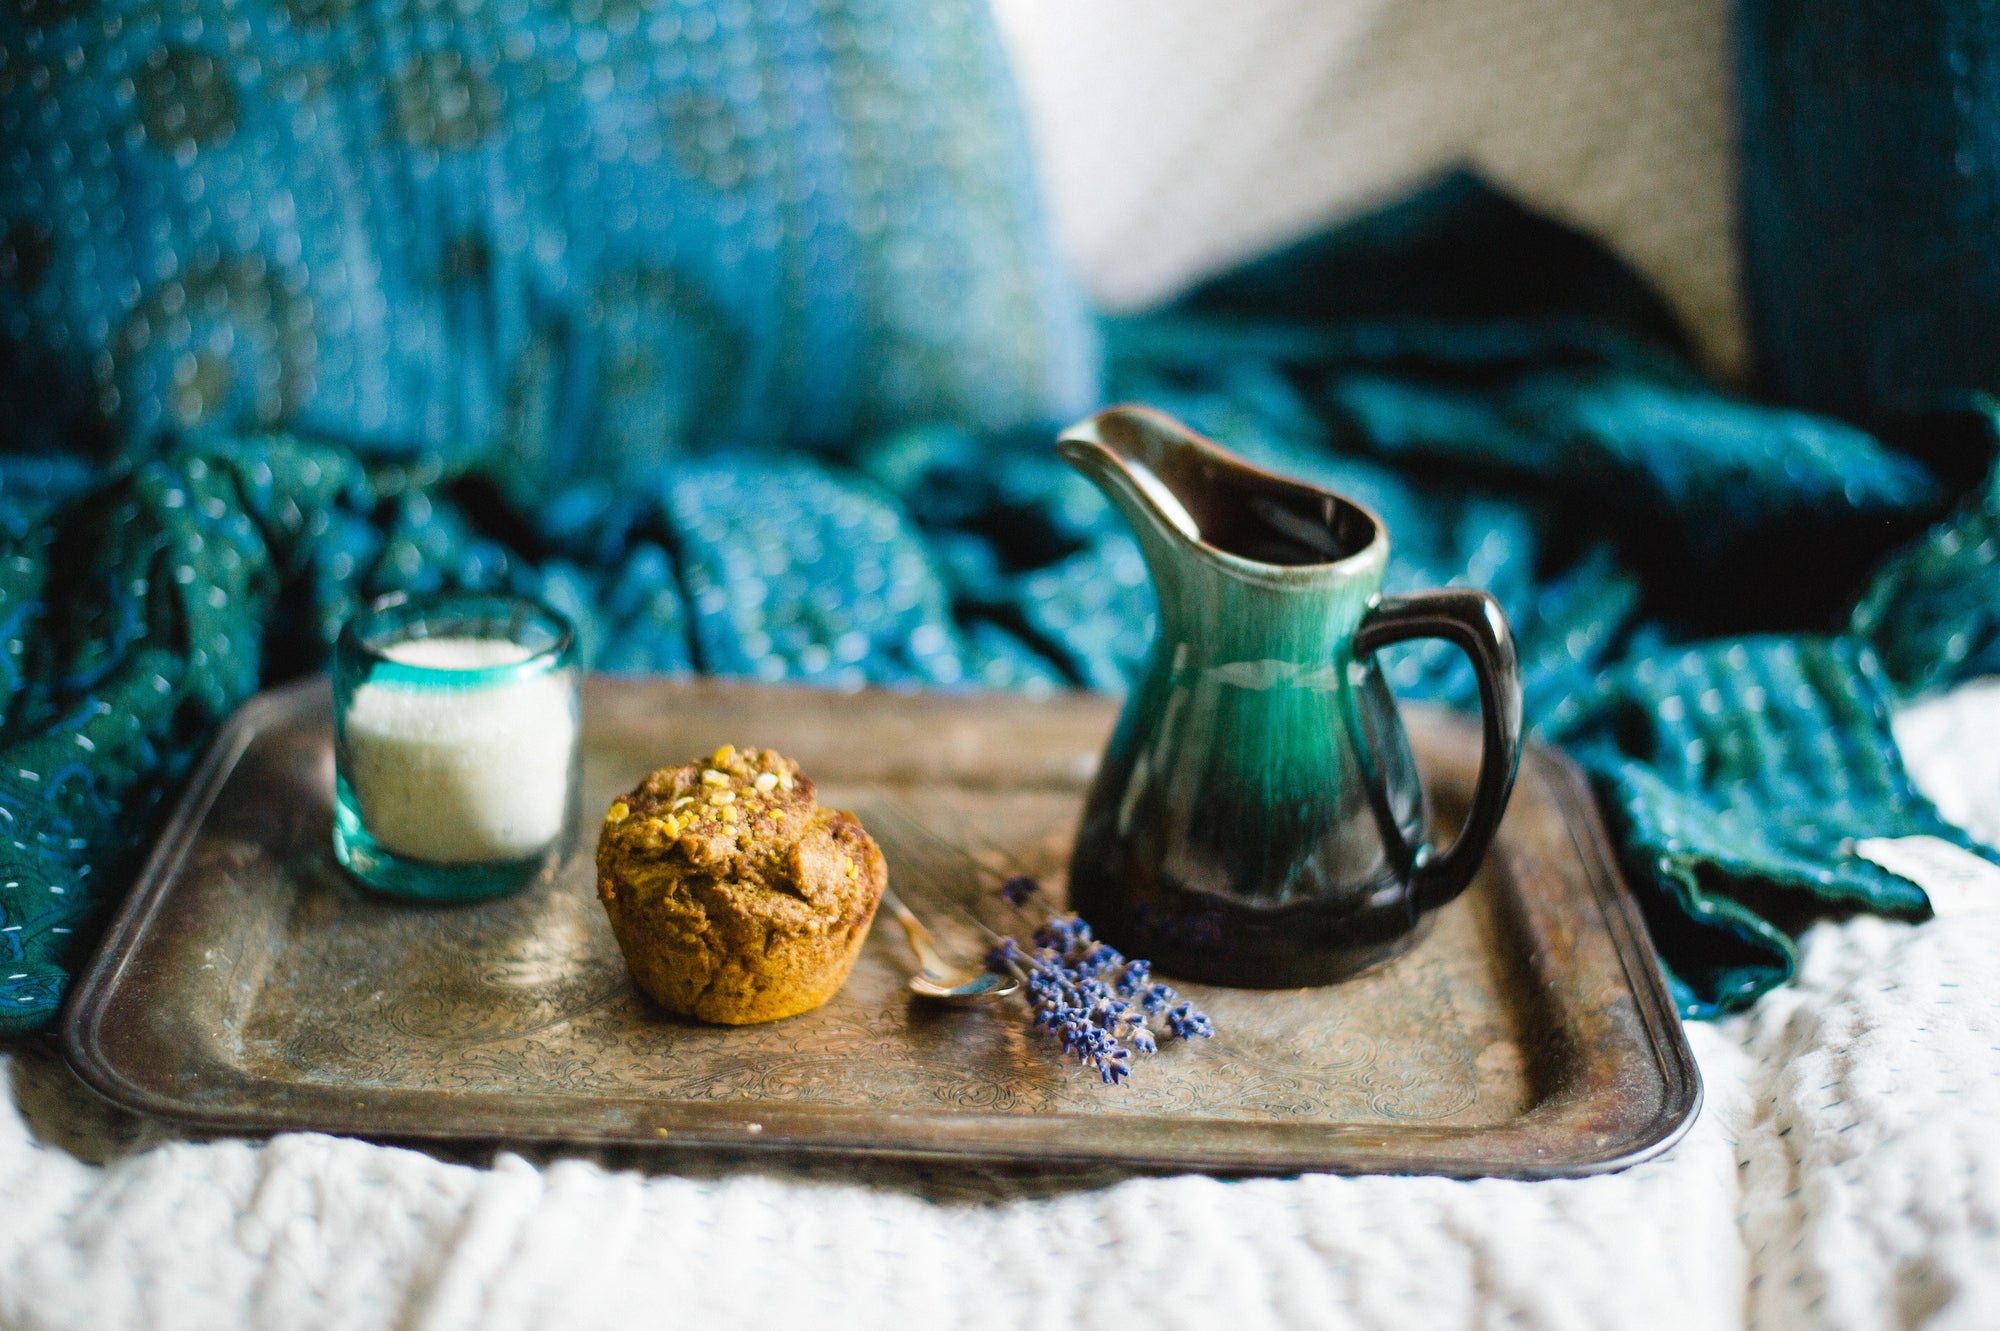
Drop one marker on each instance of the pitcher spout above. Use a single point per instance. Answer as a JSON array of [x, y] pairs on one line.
[[1188, 499], [1127, 473]]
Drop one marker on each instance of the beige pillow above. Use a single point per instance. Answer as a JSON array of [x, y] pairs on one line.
[[1178, 136]]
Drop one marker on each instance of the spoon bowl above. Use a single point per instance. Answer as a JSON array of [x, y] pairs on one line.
[[968, 990], [936, 979]]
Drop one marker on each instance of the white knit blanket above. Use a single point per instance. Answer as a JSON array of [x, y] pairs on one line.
[[1844, 1173]]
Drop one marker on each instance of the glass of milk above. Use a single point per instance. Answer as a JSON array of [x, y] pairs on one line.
[[456, 725]]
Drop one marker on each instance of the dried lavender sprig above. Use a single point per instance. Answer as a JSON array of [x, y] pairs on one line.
[[1018, 889], [1085, 993]]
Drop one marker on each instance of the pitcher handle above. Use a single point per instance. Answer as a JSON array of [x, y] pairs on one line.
[[1473, 621]]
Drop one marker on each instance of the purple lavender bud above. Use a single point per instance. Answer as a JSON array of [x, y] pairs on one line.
[[1065, 935], [1186, 1023], [1018, 889], [1096, 960], [1088, 1043]]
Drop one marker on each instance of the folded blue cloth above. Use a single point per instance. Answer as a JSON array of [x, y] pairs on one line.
[[1717, 601]]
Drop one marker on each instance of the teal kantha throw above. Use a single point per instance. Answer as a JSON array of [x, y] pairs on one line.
[[1717, 602]]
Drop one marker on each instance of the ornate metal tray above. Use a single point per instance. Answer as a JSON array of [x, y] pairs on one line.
[[247, 986]]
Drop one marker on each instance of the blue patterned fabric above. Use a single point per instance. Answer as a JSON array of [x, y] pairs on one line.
[[1738, 774], [1716, 600], [558, 238], [1933, 611]]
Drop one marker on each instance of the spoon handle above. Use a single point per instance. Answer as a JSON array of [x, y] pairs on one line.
[[921, 941]]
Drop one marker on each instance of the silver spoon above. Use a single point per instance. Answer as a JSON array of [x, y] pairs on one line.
[[937, 980]]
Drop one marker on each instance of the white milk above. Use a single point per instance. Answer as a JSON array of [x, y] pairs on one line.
[[462, 775]]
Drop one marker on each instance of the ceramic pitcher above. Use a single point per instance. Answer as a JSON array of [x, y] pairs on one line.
[[1258, 819]]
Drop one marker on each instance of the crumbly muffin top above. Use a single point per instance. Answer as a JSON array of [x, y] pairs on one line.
[[713, 811], [744, 827]]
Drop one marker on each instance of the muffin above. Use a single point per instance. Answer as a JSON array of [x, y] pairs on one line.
[[736, 897]]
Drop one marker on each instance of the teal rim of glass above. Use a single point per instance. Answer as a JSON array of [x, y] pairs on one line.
[[401, 617]]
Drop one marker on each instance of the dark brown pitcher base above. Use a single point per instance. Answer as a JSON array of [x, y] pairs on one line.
[[1242, 948]]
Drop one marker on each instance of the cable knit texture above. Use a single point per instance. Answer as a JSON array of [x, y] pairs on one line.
[[1843, 1174]]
